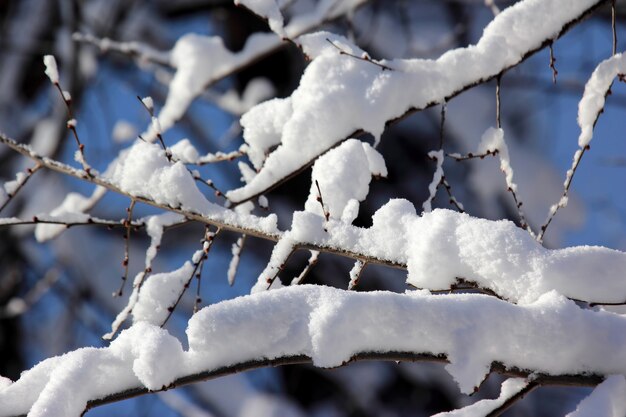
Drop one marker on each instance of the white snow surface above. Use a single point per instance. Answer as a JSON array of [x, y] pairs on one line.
[[72, 209], [607, 400], [330, 326], [160, 292], [592, 102], [344, 174], [443, 245], [339, 94], [51, 68], [509, 388]]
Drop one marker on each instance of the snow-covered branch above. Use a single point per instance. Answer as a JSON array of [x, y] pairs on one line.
[[331, 327]]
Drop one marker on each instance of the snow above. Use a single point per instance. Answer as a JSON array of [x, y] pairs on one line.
[[145, 171], [149, 103], [339, 94], [492, 141], [159, 293], [268, 9], [51, 68], [72, 209], [438, 157], [509, 388], [596, 89], [608, 399], [496, 255], [324, 324], [344, 174], [199, 60], [184, 151]]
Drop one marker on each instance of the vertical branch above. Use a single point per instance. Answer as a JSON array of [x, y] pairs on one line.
[[127, 224], [148, 104]]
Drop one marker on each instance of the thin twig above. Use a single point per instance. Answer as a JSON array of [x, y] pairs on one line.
[[207, 243], [365, 57], [552, 62], [614, 30], [471, 155], [452, 199], [234, 261], [313, 259], [320, 199], [128, 226]]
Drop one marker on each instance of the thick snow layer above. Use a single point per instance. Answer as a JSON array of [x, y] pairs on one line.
[[62, 385], [607, 400], [596, 89], [330, 326], [344, 174], [145, 171], [339, 94], [441, 246]]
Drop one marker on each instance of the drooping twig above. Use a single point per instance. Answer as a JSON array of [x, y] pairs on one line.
[[498, 103], [148, 104], [198, 299], [552, 62], [365, 57]]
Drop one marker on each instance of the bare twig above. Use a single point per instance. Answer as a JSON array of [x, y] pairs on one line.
[[452, 199], [613, 29], [471, 155], [320, 199], [128, 226], [552, 62], [365, 57]]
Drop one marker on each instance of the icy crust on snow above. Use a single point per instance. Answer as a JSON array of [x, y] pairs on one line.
[[592, 102], [143, 170], [441, 246], [330, 326], [62, 385], [339, 94], [608, 400], [343, 175]]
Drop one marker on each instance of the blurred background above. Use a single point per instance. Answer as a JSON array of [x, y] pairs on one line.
[[55, 296]]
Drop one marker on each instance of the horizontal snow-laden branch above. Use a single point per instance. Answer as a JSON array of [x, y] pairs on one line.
[[340, 95], [437, 248], [474, 334]]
